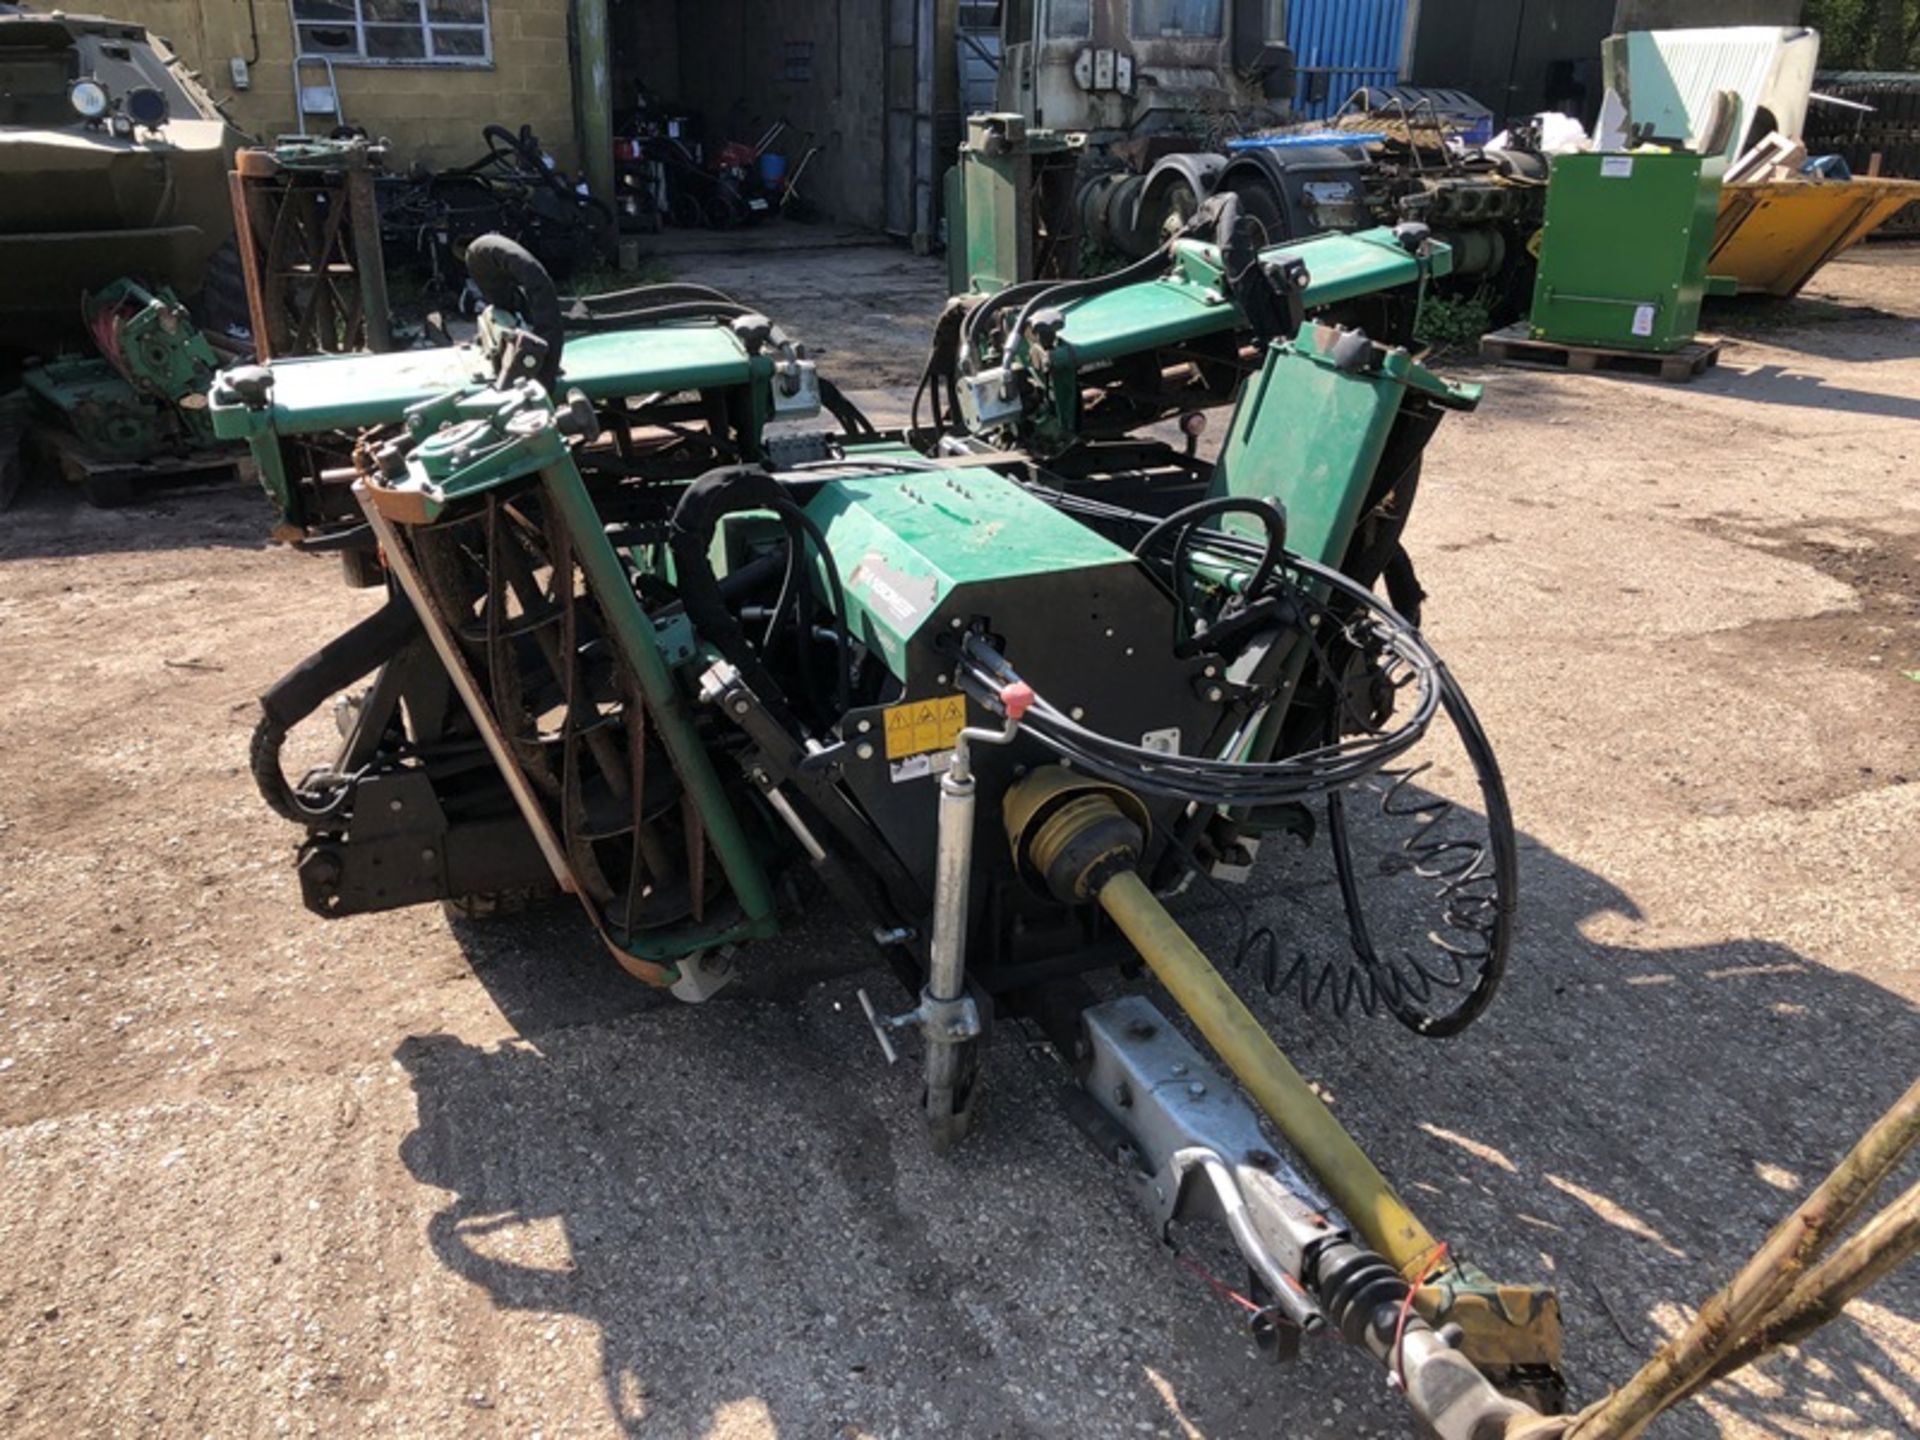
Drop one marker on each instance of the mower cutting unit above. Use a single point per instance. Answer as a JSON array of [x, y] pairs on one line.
[[661, 636]]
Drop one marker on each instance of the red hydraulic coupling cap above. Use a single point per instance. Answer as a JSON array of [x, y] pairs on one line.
[[1016, 698]]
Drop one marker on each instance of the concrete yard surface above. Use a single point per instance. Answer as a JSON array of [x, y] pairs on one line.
[[263, 1173]]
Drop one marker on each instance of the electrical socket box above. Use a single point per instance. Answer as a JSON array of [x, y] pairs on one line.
[[242, 76], [1623, 256]]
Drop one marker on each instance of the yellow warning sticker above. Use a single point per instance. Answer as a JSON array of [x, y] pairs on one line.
[[921, 726]]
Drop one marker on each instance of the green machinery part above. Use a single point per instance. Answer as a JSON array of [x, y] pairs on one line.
[[321, 395], [1191, 305], [1623, 255], [144, 394], [905, 544], [1310, 430], [1009, 193], [465, 447]]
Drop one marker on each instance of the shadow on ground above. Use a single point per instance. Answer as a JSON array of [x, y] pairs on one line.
[[1813, 326], [50, 517], [749, 1217], [1779, 385]]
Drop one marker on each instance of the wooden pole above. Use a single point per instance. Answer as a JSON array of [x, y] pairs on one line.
[[1756, 1295], [1882, 1245]]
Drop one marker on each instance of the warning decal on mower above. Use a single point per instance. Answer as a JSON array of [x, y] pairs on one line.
[[921, 726]]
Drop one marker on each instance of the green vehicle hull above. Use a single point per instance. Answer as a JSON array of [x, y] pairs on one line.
[[86, 203]]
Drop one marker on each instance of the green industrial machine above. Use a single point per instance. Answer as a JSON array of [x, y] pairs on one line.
[[672, 628], [1623, 257], [672, 625], [139, 401], [1014, 196], [145, 391]]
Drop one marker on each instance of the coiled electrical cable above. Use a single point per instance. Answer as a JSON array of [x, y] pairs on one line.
[[1203, 780], [1441, 981]]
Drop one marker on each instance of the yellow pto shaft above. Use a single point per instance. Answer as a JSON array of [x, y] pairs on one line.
[[1081, 839], [1353, 1182]]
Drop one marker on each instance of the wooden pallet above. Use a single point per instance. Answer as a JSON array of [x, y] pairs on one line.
[[13, 463], [1514, 346], [111, 483]]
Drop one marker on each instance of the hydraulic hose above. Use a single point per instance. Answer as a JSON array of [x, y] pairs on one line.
[[1208, 781], [657, 314], [1271, 514], [695, 520], [1036, 292], [663, 293], [852, 418], [303, 689], [340, 662]]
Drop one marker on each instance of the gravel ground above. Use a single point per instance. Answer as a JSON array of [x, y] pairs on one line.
[[263, 1173]]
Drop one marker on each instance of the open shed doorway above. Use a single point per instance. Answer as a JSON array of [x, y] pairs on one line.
[[762, 125]]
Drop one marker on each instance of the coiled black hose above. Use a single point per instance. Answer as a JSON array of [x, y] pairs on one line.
[[1205, 781], [1181, 523]]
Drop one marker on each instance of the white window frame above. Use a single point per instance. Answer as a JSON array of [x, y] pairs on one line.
[[360, 24]]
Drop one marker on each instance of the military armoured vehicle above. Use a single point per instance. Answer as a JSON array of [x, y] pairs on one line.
[[113, 160]]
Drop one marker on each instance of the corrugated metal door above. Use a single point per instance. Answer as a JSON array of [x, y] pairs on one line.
[[977, 50], [1341, 45], [909, 82]]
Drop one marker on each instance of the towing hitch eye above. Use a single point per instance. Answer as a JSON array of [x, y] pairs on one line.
[[1198, 1153]]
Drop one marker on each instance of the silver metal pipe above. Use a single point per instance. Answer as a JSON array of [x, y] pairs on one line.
[[953, 862], [944, 1017], [809, 842], [949, 1020], [952, 867]]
